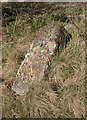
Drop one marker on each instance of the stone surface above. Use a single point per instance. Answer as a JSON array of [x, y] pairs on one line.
[[49, 39]]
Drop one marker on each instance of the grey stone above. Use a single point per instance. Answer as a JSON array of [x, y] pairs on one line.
[[35, 64]]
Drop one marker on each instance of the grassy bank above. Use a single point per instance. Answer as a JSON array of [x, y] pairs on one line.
[[61, 94]]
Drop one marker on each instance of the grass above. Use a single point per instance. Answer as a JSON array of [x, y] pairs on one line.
[[61, 93]]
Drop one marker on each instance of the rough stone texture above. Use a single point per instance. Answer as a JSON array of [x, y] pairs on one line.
[[48, 40]]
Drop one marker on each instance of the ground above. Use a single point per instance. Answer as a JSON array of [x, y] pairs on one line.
[[62, 93]]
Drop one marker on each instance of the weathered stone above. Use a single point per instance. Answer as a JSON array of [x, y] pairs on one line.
[[49, 39]]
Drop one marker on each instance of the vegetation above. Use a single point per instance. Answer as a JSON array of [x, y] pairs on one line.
[[61, 94]]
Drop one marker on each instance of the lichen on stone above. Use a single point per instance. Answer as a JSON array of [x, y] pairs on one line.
[[48, 40]]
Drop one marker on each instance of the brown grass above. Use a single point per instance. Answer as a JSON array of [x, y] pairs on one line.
[[61, 94]]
